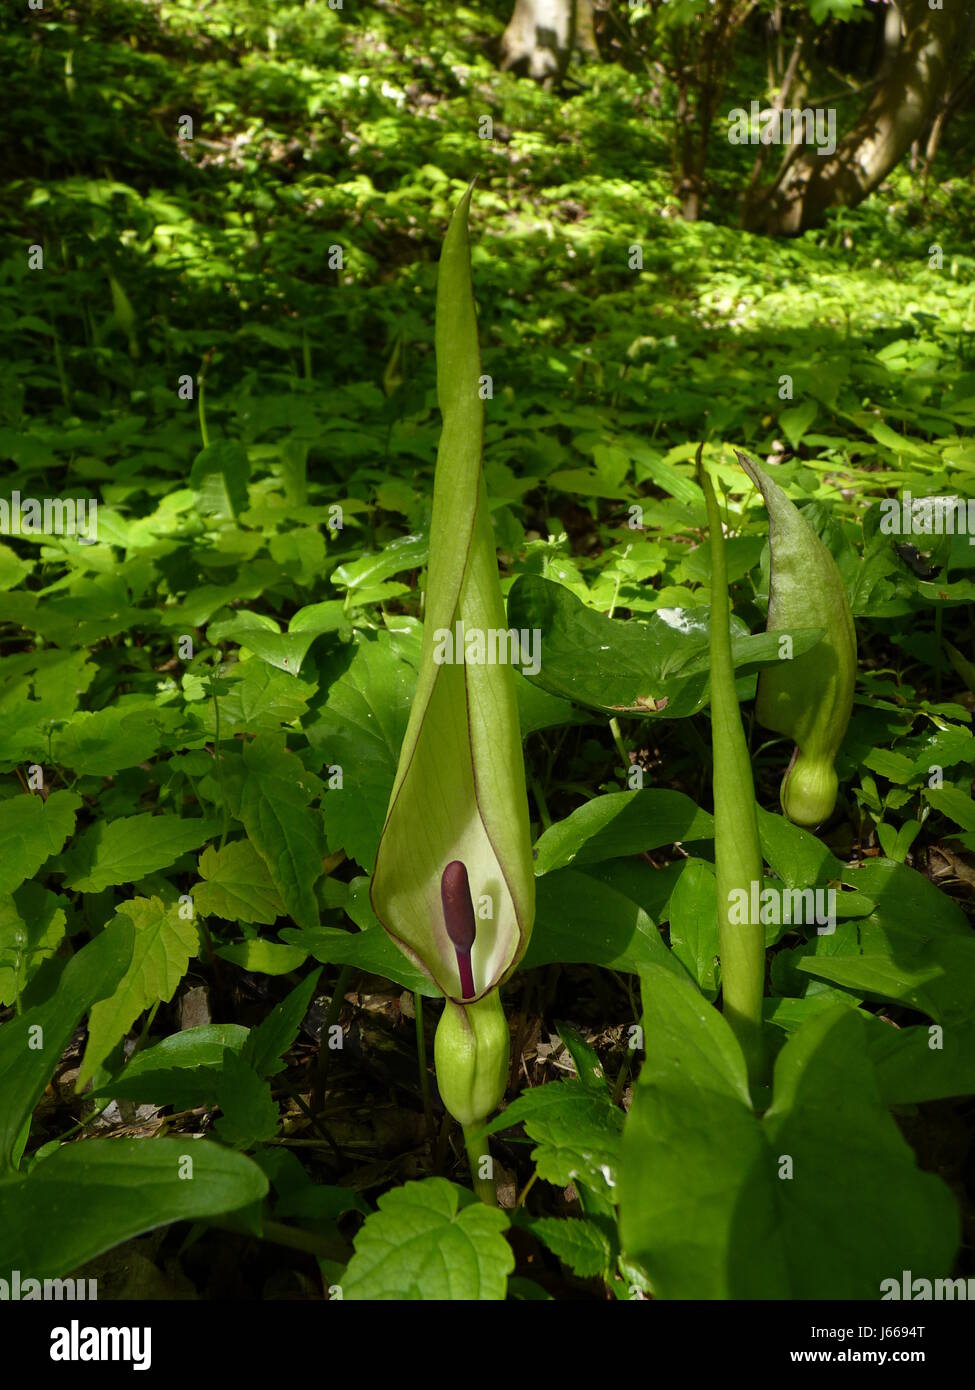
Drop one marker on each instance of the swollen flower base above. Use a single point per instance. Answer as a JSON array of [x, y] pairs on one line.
[[471, 1051], [809, 788]]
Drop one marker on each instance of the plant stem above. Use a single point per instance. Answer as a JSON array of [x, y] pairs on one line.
[[219, 766], [421, 1057], [201, 408], [476, 1144], [614, 729], [324, 1051], [540, 802], [737, 855]]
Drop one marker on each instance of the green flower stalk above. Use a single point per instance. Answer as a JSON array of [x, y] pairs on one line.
[[737, 853], [808, 699], [453, 883]]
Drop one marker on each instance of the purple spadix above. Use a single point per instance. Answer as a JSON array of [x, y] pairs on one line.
[[458, 916]]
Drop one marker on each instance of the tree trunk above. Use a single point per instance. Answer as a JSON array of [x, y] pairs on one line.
[[895, 117], [541, 35]]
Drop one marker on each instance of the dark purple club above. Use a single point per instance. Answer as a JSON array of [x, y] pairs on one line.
[[458, 916]]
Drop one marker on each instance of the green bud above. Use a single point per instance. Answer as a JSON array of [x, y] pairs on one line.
[[808, 792], [810, 698], [471, 1052]]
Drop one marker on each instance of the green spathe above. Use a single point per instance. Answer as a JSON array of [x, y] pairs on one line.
[[471, 1052], [810, 698], [459, 792], [737, 853]]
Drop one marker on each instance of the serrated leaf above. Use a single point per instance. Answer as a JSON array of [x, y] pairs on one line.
[[31, 830], [578, 1133], [237, 885], [127, 849], [578, 1243], [430, 1241], [106, 741], [160, 954]]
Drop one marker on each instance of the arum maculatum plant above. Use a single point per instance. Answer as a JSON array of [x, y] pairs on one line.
[[453, 883], [737, 853], [808, 699]]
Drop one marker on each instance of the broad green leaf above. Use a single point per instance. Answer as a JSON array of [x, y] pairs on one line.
[[621, 823], [579, 920], [31, 830], [954, 803], [915, 947], [281, 825], [717, 1202], [237, 885], [659, 667], [128, 849], [923, 1063], [406, 553], [430, 1241], [88, 1197], [796, 855], [32, 1043], [164, 943]]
